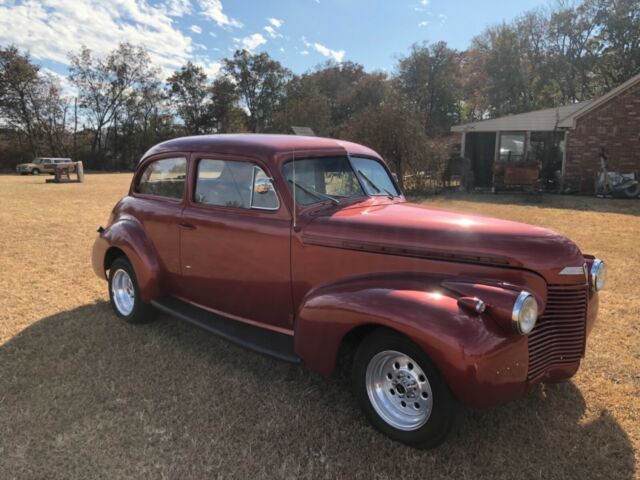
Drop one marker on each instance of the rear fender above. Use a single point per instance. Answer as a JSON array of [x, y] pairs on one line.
[[127, 234]]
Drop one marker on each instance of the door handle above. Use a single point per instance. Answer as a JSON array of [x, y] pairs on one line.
[[187, 226]]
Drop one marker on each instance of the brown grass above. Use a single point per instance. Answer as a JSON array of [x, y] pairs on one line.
[[83, 395]]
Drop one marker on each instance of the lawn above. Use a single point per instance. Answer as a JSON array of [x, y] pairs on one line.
[[84, 395]]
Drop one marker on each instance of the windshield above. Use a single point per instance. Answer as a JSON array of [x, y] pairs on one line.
[[317, 178], [332, 178], [375, 176]]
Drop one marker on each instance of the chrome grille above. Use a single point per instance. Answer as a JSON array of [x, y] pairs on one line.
[[558, 337]]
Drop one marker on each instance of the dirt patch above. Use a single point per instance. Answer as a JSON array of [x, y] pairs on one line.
[[83, 395]]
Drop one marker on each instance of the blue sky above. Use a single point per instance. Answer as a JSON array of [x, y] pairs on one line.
[[299, 33]]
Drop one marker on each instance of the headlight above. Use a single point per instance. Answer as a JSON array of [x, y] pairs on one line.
[[525, 313], [598, 275]]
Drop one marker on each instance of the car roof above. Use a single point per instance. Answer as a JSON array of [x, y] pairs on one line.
[[263, 145]]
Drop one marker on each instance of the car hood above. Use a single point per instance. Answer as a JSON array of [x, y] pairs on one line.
[[27, 164], [413, 230]]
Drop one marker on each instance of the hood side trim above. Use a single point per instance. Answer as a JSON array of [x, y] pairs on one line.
[[390, 249]]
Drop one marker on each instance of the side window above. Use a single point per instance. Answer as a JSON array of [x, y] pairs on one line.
[[234, 184], [164, 178]]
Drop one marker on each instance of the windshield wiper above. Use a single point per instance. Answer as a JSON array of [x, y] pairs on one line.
[[376, 187], [315, 193]]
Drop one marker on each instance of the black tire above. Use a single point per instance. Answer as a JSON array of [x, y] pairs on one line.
[[444, 406], [141, 312], [633, 191], [35, 171]]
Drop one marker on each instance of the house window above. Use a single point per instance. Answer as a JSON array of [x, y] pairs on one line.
[[512, 146]]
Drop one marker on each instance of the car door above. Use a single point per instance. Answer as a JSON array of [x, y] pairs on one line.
[[158, 193], [235, 242]]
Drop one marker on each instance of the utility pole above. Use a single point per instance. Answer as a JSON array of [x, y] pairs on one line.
[[75, 128]]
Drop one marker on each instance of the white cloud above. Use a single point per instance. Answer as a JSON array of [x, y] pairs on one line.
[[272, 32], [251, 42], [276, 22], [424, 2], [282, 49], [67, 88], [212, 9], [337, 55], [178, 8], [212, 69], [443, 18], [424, 23], [195, 29], [50, 28], [304, 52]]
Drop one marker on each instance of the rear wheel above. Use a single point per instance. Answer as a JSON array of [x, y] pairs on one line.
[[632, 191], [125, 293], [401, 391]]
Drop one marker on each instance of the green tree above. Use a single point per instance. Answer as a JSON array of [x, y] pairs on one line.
[[428, 77], [261, 82], [189, 92], [226, 114]]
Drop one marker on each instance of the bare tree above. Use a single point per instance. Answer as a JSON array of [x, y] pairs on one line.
[[104, 83]]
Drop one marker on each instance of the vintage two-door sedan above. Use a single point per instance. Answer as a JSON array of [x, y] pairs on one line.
[[305, 249]]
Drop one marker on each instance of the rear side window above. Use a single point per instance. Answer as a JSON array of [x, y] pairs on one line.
[[164, 178], [234, 184]]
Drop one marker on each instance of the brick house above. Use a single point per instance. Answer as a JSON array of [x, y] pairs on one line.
[[565, 141]]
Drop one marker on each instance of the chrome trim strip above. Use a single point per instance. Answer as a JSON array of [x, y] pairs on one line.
[[573, 270]]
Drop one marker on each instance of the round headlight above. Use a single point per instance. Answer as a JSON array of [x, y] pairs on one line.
[[525, 313], [598, 275]]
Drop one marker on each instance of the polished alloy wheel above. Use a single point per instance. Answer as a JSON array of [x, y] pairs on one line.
[[399, 390], [123, 292]]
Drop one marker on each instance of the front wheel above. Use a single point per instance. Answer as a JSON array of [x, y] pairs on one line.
[[401, 391], [125, 293], [35, 171]]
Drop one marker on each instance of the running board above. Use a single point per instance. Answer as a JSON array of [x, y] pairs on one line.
[[268, 342]]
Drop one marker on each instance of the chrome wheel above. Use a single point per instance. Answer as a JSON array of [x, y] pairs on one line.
[[399, 390], [122, 292]]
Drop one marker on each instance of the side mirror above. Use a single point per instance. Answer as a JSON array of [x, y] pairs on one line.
[[263, 185]]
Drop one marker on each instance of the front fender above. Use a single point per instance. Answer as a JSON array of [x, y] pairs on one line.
[[128, 235], [482, 364]]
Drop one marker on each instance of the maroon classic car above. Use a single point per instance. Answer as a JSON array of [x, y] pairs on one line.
[[305, 249]]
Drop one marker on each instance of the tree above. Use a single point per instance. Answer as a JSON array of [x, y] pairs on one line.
[[104, 83], [31, 102], [303, 105], [227, 116], [571, 32], [429, 79], [188, 90], [618, 42], [394, 130], [261, 82]]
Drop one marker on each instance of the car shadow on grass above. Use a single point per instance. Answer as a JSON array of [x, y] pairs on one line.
[[83, 394]]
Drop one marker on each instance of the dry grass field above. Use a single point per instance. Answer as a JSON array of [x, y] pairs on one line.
[[83, 395]]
